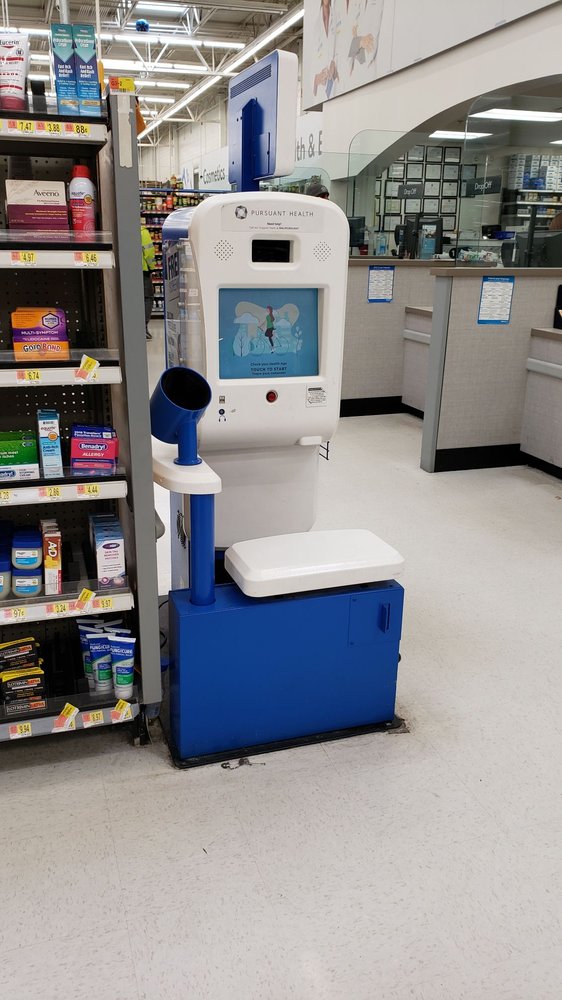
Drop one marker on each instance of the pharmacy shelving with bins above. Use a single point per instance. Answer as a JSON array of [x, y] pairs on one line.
[[153, 219], [518, 205], [99, 285]]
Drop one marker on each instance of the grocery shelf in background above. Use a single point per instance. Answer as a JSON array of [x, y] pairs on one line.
[[156, 204]]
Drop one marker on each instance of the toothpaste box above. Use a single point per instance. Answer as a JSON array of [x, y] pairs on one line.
[[18, 456], [37, 205], [49, 444], [39, 333], [62, 48], [52, 560], [87, 81]]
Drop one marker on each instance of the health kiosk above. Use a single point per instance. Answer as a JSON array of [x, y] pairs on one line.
[[303, 642]]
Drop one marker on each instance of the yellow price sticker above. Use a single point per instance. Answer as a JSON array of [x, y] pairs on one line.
[[84, 598], [24, 126], [84, 490], [92, 718], [122, 711], [66, 719], [54, 128], [52, 492], [5, 496], [80, 128], [88, 367], [58, 608], [23, 258], [19, 730], [28, 375]]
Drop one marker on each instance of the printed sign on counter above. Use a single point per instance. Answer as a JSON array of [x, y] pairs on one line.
[[381, 283], [495, 300]]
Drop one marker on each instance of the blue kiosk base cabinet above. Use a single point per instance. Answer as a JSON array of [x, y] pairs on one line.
[[251, 675]]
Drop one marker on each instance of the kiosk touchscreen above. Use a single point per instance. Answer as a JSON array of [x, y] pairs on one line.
[[262, 312]]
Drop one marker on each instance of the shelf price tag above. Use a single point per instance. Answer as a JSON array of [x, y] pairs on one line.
[[88, 368], [58, 608], [50, 492], [76, 128], [51, 128], [103, 604], [23, 258], [66, 720], [83, 490], [86, 258], [28, 375], [122, 711], [92, 718], [5, 496], [19, 730], [24, 126], [85, 598], [14, 614]]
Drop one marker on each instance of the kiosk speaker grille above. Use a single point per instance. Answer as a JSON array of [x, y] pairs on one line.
[[223, 250], [322, 251]]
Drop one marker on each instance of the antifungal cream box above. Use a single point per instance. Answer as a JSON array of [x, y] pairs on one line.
[[62, 48], [87, 81]]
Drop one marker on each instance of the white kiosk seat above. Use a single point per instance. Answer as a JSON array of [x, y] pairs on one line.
[[311, 560]]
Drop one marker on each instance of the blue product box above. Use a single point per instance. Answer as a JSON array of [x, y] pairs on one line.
[[87, 81], [62, 47]]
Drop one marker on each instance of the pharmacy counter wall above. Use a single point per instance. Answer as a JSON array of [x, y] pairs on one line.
[[541, 431], [475, 414], [374, 355]]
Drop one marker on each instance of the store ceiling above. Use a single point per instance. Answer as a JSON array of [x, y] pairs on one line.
[[187, 53]]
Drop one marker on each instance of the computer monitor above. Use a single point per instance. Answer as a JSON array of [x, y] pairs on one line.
[[543, 250], [430, 237], [356, 230]]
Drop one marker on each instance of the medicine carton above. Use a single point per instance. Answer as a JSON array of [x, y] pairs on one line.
[[39, 333], [87, 82], [93, 450], [49, 444], [110, 555], [18, 456], [52, 560], [62, 48], [37, 205]]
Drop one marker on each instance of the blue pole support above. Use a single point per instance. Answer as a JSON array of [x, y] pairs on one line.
[[202, 549], [187, 442]]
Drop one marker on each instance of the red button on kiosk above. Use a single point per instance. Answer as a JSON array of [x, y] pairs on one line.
[[271, 396]]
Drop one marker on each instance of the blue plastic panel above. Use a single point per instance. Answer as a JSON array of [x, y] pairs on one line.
[[246, 672]]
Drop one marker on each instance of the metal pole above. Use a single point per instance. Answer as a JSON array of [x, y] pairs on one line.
[[202, 550], [64, 12]]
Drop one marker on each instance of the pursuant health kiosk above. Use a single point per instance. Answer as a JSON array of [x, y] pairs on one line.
[[302, 641]]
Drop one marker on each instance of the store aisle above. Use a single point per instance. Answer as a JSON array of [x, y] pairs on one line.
[[423, 865]]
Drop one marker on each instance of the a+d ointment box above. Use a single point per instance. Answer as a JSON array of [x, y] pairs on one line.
[[49, 444], [87, 82], [52, 560], [36, 205], [18, 456], [39, 334], [62, 48]]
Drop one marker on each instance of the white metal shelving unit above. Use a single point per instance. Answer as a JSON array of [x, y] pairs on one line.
[[100, 289]]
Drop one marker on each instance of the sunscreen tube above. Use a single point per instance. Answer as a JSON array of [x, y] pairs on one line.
[[100, 653], [14, 59], [123, 664]]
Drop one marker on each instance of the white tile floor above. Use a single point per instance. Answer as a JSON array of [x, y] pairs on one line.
[[417, 866]]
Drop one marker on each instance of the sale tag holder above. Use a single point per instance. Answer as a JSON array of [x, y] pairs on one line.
[[88, 368], [66, 719], [122, 712]]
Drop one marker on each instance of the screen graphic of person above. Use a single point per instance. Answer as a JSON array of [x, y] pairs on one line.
[[270, 326]]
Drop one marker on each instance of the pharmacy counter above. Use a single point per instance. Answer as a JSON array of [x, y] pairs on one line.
[[478, 367], [373, 367], [417, 338]]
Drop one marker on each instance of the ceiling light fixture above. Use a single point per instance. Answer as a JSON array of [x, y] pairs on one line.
[[266, 38], [280, 27], [516, 115], [157, 99], [450, 134]]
